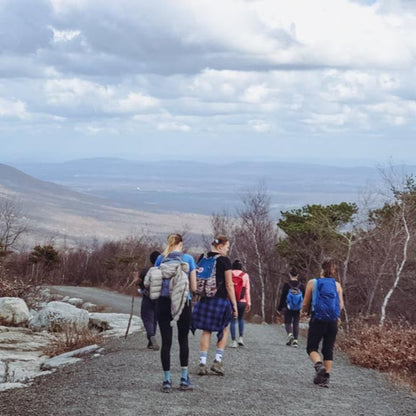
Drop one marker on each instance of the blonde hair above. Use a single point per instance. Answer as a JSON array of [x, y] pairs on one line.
[[173, 241], [219, 240]]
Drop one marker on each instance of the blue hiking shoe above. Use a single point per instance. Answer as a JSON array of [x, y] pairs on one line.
[[186, 384], [167, 386]]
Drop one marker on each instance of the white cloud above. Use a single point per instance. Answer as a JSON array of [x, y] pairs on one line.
[[64, 35], [255, 94], [260, 126], [13, 109], [136, 102], [225, 69], [173, 126], [96, 98]]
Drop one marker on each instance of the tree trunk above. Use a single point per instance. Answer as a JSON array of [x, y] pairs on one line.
[[398, 271]]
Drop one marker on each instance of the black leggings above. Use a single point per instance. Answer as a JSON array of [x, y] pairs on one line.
[[164, 318], [325, 331]]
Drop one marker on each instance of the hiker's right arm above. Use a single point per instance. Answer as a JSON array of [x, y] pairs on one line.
[[192, 281], [283, 296], [308, 297]]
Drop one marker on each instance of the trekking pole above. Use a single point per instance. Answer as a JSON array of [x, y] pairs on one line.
[[130, 318]]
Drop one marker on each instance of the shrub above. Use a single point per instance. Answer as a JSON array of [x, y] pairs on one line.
[[390, 348], [71, 338]]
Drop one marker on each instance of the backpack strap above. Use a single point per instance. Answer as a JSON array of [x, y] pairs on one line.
[[314, 289]]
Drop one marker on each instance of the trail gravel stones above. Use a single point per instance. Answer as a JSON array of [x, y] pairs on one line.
[[265, 377]]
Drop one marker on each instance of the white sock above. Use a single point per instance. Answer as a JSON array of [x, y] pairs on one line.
[[203, 357]]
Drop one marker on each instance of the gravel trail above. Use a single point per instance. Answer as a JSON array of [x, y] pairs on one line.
[[263, 378]]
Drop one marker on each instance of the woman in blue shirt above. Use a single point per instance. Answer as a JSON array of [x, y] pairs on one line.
[[164, 317]]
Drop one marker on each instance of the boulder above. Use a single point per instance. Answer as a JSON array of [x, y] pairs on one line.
[[90, 307], [13, 312], [75, 301], [56, 316], [115, 324], [66, 358]]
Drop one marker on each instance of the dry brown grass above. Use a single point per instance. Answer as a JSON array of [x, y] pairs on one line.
[[390, 349], [71, 338]]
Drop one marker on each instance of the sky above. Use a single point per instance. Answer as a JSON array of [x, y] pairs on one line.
[[299, 80]]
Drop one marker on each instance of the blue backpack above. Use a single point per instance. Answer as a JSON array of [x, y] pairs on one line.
[[206, 281], [325, 300], [294, 298]]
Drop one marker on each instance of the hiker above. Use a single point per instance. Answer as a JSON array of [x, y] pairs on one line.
[[241, 283], [324, 296], [165, 319], [216, 305], [291, 304], [148, 307]]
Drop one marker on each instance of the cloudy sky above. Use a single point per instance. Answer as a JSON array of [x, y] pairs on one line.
[[318, 80]]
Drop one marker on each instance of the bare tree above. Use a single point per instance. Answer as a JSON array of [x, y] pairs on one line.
[[12, 224], [256, 238]]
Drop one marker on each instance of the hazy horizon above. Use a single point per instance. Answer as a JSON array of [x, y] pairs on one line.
[[388, 161]]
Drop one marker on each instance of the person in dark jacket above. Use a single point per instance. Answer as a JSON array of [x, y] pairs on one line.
[[292, 317], [148, 307]]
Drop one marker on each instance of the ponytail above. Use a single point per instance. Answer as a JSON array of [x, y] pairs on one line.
[[173, 241]]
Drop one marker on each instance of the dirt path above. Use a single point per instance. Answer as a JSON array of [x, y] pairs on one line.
[[264, 378], [113, 301]]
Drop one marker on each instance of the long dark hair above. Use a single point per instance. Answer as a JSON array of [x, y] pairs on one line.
[[237, 265], [329, 268]]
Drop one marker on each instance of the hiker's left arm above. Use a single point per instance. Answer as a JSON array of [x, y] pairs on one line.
[[246, 279], [230, 290]]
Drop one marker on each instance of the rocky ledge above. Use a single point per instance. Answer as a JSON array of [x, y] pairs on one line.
[[25, 335]]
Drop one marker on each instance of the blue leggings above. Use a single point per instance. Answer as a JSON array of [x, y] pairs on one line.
[[241, 307], [148, 314]]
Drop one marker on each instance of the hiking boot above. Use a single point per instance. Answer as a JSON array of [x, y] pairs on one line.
[[167, 386], [153, 342], [320, 373], [240, 342], [289, 339], [233, 344], [217, 368], [295, 343], [186, 384], [324, 381], [202, 370]]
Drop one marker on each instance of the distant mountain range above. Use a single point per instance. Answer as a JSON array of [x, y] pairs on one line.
[[205, 188], [106, 197], [58, 214]]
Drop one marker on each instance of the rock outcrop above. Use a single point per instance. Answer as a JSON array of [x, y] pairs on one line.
[[56, 315], [13, 312]]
